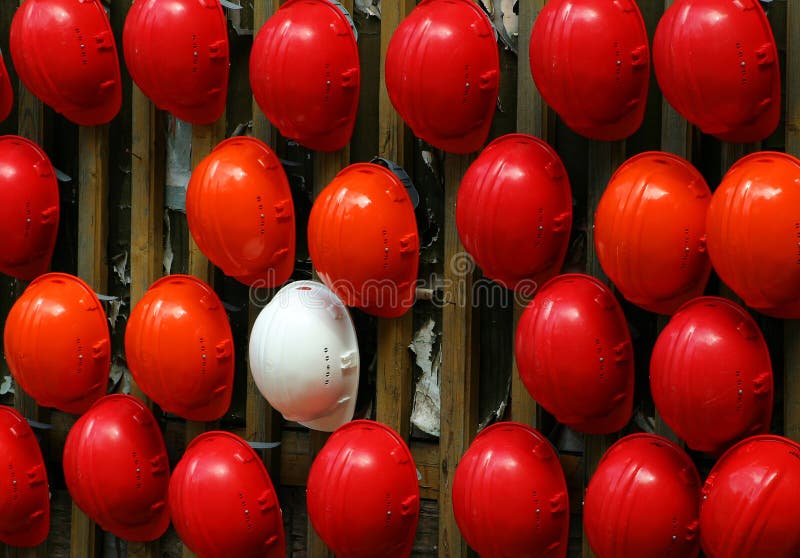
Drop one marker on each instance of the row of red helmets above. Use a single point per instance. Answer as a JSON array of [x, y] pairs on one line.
[[644, 499]]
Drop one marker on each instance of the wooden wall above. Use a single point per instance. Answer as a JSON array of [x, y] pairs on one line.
[[120, 226]]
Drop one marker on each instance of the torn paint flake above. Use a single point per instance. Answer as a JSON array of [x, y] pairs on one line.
[[113, 308], [427, 404], [119, 264], [120, 377], [370, 8], [169, 255], [7, 385], [179, 163]]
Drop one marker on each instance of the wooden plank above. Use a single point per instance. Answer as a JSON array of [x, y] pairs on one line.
[[459, 375], [792, 327], [394, 382]]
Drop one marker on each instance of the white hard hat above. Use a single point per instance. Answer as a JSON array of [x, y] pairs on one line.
[[304, 356]]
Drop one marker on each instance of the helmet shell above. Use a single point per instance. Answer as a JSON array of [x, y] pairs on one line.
[[117, 470], [25, 492], [443, 73], [362, 237], [6, 92], [305, 73], [29, 208], [222, 500], [177, 52], [730, 89], [753, 231], [304, 356], [710, 375], [179, 347], [240, 212], [510, 495], [574, 354], [649, 231], [643, 500], [749, 507], [65, 54], [57, 343], [363, 494], [517, 176], [590, 59]]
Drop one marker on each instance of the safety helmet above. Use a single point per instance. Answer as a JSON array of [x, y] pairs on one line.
[[117, 470], [362, 237], [590, 59], [57, 343], [305, 73], [510, 495], [710, 375], [643, 500], [574, 354], [6, 92], [304, 356], [649, 231], [749, 506], [729, 88], [29, 208], [443, 73], [25, 493], [514, 211], [179, 347], [753, 231], [363, 493], [64, 52], [222, 500], [240, 212], [177, 53]]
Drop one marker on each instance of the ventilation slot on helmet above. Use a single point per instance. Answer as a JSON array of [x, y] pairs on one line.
[[327, 366]]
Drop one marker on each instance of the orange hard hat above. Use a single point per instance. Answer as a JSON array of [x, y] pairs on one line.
[[117, 470], [65, 54], [362, 237], [240, 212], [514, 211], [57, 343], [649, 231], [443, 73], [753, 232], [717, 64], [177, 53], [179, 347], [29, 208], [305, 73], [590, 60], [6, 92]]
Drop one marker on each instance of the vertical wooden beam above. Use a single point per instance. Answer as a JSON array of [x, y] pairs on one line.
[[393, 397], [531, 119], [459, 377], [792, 327]]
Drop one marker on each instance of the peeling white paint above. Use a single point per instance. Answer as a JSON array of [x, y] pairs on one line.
[[113, 312], [179, 162], [370, 8], [169, 255], [120, 377], [119, 263], [7, 385], [427, 403]]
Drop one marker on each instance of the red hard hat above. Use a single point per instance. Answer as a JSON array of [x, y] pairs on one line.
[[753, 232], [443, 73], [362, 237], [514, 211], [749, 507], [29, 208], [710, 375], [57, 343], [116, 468], [179, 347], [65, 54], [730, 88], [222, 500], [643, 500], [510, 496], [591, 62], [574, 353], [177, 53], [240, 212], [6, 92], [305, 73], [25, 493], [363, 493], [649, 231]]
